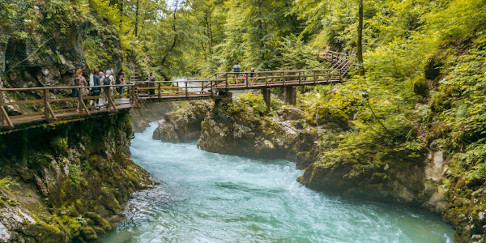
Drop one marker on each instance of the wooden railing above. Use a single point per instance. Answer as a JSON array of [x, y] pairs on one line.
[[50, 103], [235, 81]]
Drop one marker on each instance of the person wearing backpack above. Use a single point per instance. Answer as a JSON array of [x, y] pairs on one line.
[[96, 91], [236, 70]]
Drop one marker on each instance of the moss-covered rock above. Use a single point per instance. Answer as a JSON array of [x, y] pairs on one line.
[[69, 179], [183, 125], [420, 86]]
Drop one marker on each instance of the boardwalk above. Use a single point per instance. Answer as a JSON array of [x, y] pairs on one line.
[[56, 103]]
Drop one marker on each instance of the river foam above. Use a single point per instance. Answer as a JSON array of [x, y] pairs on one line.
[[207, 197]]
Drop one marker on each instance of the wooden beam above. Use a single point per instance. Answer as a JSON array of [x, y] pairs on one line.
[[48, 112]]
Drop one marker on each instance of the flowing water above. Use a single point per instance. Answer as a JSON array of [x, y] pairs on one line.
[[206, 197]]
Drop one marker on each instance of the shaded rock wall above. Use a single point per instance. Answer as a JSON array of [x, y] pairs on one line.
[[67, 181]]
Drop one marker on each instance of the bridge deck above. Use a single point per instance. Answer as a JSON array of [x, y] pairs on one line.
[[51, 103]]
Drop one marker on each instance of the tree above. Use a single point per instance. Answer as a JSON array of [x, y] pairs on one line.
[[359, 42]]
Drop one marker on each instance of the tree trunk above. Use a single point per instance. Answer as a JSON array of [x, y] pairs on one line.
[[136, 18], [359, 51]]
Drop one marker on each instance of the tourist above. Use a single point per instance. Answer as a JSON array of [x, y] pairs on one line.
[[105, 81], [121, 80], [236, 70], [245, 78], [80, 82], [151, 83], [252, 72], [112, 80], [96, 91]]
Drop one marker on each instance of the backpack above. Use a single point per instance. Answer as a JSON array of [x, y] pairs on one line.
[[106, 81]]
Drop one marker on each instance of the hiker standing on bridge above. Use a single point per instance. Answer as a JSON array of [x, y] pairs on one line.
[[105, 81], [79, 81], [252, 73], [151, 83], [96, 91], [236, 70], [112, 81]]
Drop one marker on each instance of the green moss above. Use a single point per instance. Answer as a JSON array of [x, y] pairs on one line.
[[60, 146], [89, 233], [420, 86]]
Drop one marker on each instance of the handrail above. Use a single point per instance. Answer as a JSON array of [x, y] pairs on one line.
[[218, 84], [65, 87]]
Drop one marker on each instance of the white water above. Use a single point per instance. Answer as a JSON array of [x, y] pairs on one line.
[[206, 197]]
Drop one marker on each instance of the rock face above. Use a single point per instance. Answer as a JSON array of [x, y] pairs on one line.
[[183, 125], [66, 182], [236, 128], [240, 127], [401, 179], [45, 48]]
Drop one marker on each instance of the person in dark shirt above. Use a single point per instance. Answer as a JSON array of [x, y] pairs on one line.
[[151, 83], [96, 91], [236, 70]]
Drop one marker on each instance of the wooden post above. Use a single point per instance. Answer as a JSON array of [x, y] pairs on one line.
[[202, 87], [267, 96], [159, 92], [226, 76], [290, 95], [266, 79], [300, 77], [48, 112], [4, 119], [111, 103], [246, 80], [212, 91], [187, 91], [82, 105]]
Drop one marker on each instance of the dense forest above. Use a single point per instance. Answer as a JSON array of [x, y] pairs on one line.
[[422, 84]]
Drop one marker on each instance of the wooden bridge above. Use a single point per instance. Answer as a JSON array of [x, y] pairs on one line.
[[56, 103]]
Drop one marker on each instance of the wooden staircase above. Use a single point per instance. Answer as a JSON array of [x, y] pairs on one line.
[[341, 62]]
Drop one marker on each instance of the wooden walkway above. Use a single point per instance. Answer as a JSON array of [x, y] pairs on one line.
[[49, 104]]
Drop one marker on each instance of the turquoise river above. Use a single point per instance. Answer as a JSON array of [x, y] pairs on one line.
[[207, 197]]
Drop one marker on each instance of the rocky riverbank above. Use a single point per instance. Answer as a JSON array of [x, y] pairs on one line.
[[369, 168], [67, 181]]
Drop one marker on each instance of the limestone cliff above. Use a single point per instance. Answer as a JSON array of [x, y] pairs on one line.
[[66, 181]]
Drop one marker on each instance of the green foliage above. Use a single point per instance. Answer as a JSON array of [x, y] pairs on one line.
[[294, 54]]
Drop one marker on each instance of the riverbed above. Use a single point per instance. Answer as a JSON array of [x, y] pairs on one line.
[[207, 197]]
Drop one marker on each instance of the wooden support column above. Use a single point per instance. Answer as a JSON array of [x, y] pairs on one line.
[[290, 95], [267, 97], [187, 90], [4, 119]]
